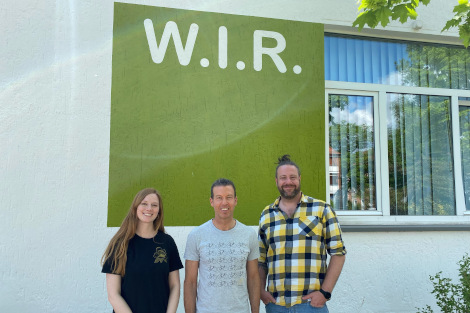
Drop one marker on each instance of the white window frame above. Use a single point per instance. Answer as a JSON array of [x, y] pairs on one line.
[[382, 215], [466, 104]]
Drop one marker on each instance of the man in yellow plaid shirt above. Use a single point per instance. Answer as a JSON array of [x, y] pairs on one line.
[[295, 234]]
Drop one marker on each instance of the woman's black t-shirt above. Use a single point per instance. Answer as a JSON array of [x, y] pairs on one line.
[[149, 261]]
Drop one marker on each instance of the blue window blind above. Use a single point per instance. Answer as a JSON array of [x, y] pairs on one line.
[[391, 62]]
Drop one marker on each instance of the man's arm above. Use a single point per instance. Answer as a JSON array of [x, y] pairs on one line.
[[266, 297], [253, 284], [190, 286], [332, 274]]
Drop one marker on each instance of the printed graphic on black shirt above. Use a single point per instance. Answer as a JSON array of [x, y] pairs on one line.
[[160, 255]]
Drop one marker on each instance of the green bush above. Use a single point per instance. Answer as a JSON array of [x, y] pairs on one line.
[[450, 297]]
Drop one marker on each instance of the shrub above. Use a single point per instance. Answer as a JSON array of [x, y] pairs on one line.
[[450, 297]]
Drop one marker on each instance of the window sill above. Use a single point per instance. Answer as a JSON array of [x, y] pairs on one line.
[[378, 223], [403, 228]]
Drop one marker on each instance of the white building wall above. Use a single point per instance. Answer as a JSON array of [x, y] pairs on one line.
[[55, 87]]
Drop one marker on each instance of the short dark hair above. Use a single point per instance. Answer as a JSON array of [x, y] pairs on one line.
[[285, 160], [223, 182]]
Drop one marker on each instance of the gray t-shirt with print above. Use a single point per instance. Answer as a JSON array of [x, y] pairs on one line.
[[222, 257]]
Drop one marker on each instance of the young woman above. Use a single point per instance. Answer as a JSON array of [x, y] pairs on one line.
[[142, 262]]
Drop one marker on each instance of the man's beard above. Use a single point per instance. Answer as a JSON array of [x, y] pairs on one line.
[[289, 195]]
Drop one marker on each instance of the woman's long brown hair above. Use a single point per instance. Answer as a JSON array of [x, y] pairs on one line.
[[117, 247]]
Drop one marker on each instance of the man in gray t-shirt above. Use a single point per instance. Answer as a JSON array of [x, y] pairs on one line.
[[224, 254]]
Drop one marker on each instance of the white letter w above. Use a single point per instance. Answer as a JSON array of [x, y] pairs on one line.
[[171, 29]]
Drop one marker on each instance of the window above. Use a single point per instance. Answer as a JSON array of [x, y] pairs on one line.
[[398, 63], [395, 110], [421, 178], [352, 152], [464, 119]]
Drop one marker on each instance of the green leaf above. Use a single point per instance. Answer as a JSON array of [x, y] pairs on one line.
[[412, 13], [461, 8], [365, 18], [362, 6], [400, 12], [383, 16], [391, 3], [368, 5], [464, 33], [451, 23], [425, 2]]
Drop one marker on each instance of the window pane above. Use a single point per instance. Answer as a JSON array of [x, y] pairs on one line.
[[393, 62], [420, 160], [464, 116], [351, 156]]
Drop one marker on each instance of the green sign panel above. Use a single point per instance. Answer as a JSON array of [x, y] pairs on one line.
[[197, 96]]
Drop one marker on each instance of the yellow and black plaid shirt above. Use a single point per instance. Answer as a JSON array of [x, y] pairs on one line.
[[293, 250]]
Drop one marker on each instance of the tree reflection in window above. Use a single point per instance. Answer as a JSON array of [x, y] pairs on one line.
[[351, 156], [394, 62], [464, 117], [421, 169]]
